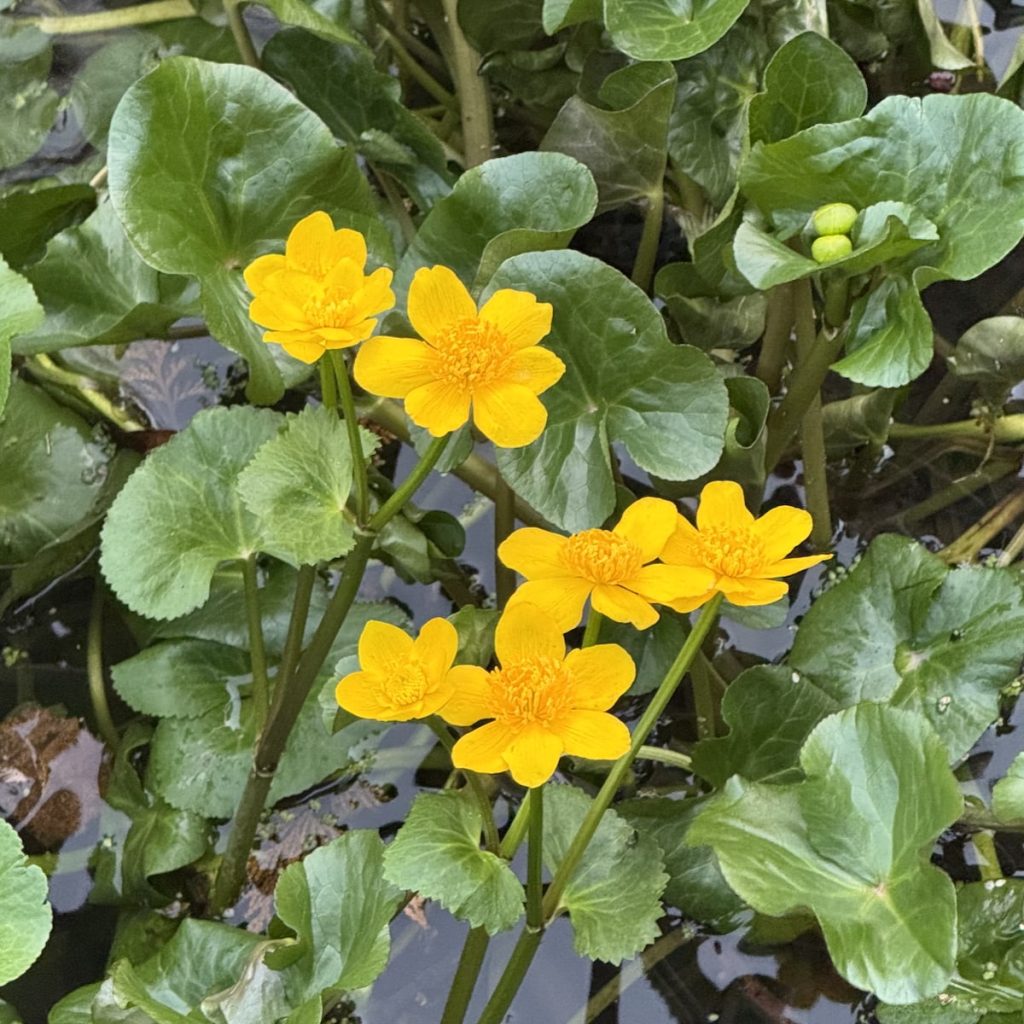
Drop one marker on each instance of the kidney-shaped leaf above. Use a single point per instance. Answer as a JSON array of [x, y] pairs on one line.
[[624, 382], [19, 312], [905, 629], [667, 29], [25, 916], [210, 166], [851, 843]]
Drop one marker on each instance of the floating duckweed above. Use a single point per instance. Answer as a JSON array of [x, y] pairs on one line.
[[834, 219], [831, 247]]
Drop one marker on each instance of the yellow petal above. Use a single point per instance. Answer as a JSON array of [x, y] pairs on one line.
[[623, 606], [593, 734], [520, 317], [305, 351], [534, 553], [782, 529], [435, 698], [275, 310], [438, 299], [683, 546], [357, 695], [533, 754], [667, 583], [689, 604], [382, 646], [343, 280], [435, 647], [601, 675], [393, 367], [648, 523], [261, 268], [483, 749], [524, 632], [375, 296], [722, 506], [748, 592], [536, 368], [437, 406], [510, 415], [348, 245], [471, 696], [308, 243], [339, 337], [788, 566], [561, 598]]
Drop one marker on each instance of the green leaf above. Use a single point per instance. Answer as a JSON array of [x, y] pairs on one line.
[[903, 628], [475, 627], [696, 885], [304, 15], [180, 514], [809, 81], [339, 904], [669, 29], [437, 854], [614, 895], [53, 472], [96, 290], [210, 166], [991, 352], [559, 14], [652, 650], [1008, 793], [770, 711], [852, 843], [623, 140], [703, 319], [25, 916], [297, 486], [28, 105], [19, 312], [75, 1007], [363, 108], [862, 419], [28, 219], [501, 208], [624, 383], [494, 26]]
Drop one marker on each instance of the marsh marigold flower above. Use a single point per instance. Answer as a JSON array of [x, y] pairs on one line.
[[487, 360], [611, 567], [543, 703], [316, 296], [746, 555], [401, 678]]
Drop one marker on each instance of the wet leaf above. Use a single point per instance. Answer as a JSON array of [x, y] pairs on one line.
[[614, 895], [669, 29], [852, 844], [180, 514], [624, 383], [28, 105], [437, 854], [19, 312], [25, 916], [621, 136], [904, 629], [210, 166]]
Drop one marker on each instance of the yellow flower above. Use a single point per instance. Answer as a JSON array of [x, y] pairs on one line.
[[544, 703], [402, 678], [745, 554], [316, 296], [611, 567], [488, 359]]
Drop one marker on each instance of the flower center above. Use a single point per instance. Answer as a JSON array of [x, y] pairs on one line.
[[404, 685], [732, 552], [603, 557], [328, 309], [536, 690], [472, 354]]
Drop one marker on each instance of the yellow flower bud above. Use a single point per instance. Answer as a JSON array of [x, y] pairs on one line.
[[833, 219], [831, 247]]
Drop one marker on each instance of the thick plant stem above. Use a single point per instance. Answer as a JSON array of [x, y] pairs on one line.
[[593, 628], [647, 251], [504, 524], [988, 859], [466, 974], [1004, 429], [409, 486], [297, 623], [105, 21], [355, 443], [515, 971], [257, 652], [243, 41], [535, 862], [474, 98], [430, 85], [669, 757], [778, 327], [94, 668], [812, 435], [328, 385], [517, 830]]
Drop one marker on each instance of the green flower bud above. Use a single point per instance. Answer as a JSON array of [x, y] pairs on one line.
[[831, 247], [833, 219]]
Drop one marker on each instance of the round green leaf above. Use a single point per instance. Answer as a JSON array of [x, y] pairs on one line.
[[669, 29], [25, 916], [624, 382], [19, 312], [30, 216]]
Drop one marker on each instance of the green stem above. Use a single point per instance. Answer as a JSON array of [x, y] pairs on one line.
[[516, 832], [243, 41], [1005, 429], [474, 98], [670, 757], [778, 327], [960, 488], [297, 623], [515, 971], [647, 251], [491, 841], [104, 21], [504, 524], [257, 652], [410, 485], [811, 431], [535, 862], [42, 367], [703, 700], [355, 443], [466, 974], [395, 202], [593, 628], [837, 300], [94, 669], [417, 72], [328, 385], [988, 858]]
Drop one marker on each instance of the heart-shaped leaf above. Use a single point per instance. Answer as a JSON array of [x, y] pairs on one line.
[[669, 29]]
